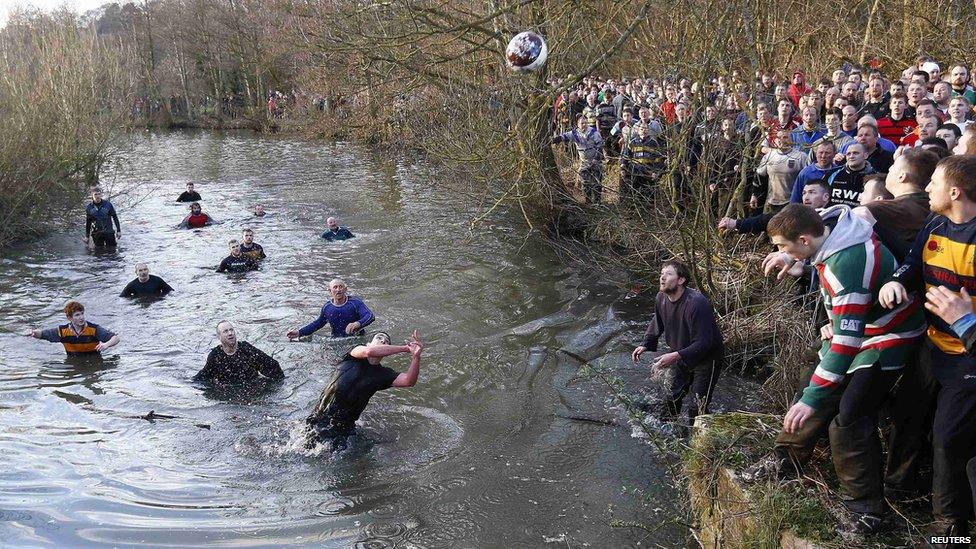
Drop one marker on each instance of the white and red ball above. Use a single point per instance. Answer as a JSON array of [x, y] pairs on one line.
[[527, 52]]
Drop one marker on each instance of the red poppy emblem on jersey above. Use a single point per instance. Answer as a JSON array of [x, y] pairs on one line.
[[933, 245]]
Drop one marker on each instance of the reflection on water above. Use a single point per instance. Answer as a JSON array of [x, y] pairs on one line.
[[472, 456]]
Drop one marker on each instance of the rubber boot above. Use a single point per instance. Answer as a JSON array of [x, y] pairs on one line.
[[856, 452]]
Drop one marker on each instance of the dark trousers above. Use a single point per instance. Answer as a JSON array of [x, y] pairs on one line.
[[592, 181], [698, 380], [103, 239], [849, 416], [953, 444], [910, 410]]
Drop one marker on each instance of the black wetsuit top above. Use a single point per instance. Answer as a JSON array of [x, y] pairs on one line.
[[345, 398], [153, 286], [187, 196], [242, 367], [241, 264]]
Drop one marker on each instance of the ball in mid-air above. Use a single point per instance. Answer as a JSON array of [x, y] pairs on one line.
[[527, 52]]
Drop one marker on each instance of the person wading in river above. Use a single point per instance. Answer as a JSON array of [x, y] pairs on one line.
[[236, 363], [687, 320], [347, 315], [359, 375], [99, 217], [864, 349], [236, 262], [196, 219], [145, 284], [79, 337]]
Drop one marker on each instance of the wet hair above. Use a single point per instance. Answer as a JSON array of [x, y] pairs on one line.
[[680, 269], [72, 307], [920, 164], [219, 322], [960, 171], [795, 220], [247, 230], [197, 204], [95, 189], [233, 242], [388, 338]]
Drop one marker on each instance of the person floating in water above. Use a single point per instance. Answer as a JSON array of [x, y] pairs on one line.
[[196, 219], [236, 363], [78, 336], [236, 262], [347, 315], [99, 217], [249, 248], [335, 232], [145, 284], [359, 375], [189, 195]]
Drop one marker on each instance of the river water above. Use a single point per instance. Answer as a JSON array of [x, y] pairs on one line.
[[479, 454]]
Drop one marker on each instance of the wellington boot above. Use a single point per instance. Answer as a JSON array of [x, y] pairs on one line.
[[856, 452]]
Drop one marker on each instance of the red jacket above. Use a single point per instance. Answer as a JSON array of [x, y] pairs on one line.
[[795, 92], [901, 132]]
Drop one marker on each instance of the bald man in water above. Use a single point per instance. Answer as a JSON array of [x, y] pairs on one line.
[[145, 284], [236, 363], [335, 231], [347, 315]]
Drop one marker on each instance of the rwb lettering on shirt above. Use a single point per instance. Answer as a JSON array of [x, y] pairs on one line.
[[850, 325]]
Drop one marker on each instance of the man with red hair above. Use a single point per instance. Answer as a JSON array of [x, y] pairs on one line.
[[78, 336]]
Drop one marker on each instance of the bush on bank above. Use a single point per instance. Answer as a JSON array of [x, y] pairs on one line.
[[62, 99]]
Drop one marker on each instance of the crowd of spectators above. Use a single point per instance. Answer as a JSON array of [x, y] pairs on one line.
[[866, 184]]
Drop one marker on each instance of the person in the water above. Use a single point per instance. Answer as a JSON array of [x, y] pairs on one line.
[[236, 262], [335, 231], [197, 218], [78, 336], [189, 195], [99, 217], [347, 315], [236, 363], [359, 375], [145, 284], [249, 248], [259, 211]]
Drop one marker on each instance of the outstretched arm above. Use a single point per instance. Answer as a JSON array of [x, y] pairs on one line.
[[409, 378], [378, 351]]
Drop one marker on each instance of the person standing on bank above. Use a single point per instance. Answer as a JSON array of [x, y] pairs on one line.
[[99, 216], [347, 315], [78, 336], [686, 318], [145, 284]]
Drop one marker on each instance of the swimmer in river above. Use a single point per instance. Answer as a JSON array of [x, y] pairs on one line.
[[259, 211], [249, 248], [359, 375], [236, 262], [235, 363], [189, 195], [196, 219], [336, 232], [78, 336], [347, 315], [145, 284]]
